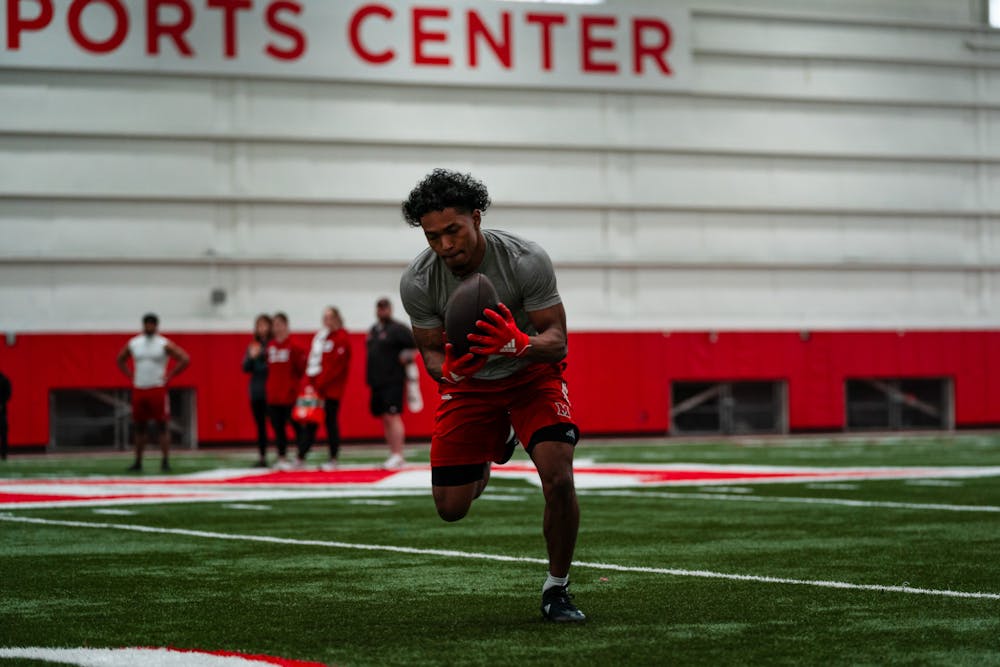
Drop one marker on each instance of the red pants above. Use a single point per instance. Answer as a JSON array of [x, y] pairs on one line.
[[474, 418], [150, 405]]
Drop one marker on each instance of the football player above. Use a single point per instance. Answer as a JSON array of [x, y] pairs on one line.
[[509, 387]]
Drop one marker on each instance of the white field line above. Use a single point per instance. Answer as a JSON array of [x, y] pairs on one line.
[[386, 503], [244, 506], [836, 487], [449, 553], [228, 496], [115, 512], [843, 502]]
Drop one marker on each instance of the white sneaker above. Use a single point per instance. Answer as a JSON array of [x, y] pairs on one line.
[[297, 464], [330, 466], [282, 464], [394, 462]]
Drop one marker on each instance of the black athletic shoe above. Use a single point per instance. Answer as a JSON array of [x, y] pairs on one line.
[[511, 445], [135, 467], [164, 466], [557, 605]]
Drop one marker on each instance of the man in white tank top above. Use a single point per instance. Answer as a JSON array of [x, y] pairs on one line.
[[150, 353]]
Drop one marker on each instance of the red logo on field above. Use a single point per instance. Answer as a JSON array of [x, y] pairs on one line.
[[242, 486]]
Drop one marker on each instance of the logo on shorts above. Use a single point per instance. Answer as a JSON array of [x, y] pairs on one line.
[[445, 397], [562, 409]]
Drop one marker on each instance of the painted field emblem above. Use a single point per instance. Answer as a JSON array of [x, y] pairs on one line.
[[148, 657], [253, 486]]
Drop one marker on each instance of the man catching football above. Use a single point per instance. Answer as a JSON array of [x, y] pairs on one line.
[[509, 388]]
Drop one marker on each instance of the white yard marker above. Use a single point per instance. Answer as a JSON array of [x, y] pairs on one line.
[[386, 503], [448, 553], [116, 512], [843, 502], [248, 506]]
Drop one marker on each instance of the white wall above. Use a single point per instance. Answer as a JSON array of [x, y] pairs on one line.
[[836, 165]]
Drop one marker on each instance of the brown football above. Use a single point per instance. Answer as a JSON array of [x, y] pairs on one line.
[[465, 305]]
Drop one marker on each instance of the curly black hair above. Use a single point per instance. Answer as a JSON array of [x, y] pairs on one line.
[[443, 189]]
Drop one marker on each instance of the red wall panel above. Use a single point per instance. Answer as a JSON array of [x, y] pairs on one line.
[[619, 381]]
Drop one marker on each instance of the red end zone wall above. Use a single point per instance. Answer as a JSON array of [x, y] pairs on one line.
[[619, 381]]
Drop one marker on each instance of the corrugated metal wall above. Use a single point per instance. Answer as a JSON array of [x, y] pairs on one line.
[[835, 165]]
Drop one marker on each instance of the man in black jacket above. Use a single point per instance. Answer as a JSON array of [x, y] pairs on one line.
[[390, 348]]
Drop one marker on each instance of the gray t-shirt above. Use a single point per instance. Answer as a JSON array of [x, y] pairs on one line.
[[519, 269]]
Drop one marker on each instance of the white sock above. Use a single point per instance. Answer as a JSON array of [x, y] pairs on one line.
[[554, 581]]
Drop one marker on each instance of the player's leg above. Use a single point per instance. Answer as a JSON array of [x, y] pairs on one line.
[[468, 430], [455, 487], [561, 523], [542, 409], [554, 461]]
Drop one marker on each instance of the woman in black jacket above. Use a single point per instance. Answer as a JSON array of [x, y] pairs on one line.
[[255, 363]]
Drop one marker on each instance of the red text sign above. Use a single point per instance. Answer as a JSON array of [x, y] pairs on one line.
[[490, 43]]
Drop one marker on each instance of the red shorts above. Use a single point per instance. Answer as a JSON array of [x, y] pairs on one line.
[[474, 419], [150, 405]]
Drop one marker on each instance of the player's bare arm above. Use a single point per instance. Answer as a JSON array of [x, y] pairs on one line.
[[499, 334], [430, 342], [550, 343], [122, 360], [181, 359]]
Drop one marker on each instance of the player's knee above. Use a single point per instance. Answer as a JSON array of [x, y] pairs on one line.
[[558, 482], [452, 512], [451, 506]]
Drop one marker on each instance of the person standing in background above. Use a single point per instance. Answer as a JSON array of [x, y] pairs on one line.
[[5, 391], [255, 363], [390, 349], [286, 363], [326, 370], [150, 353]]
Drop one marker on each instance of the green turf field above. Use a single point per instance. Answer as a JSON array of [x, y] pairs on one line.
[[324, 589]]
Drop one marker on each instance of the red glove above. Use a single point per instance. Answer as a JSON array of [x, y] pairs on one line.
[[454, 370], [500, 334]]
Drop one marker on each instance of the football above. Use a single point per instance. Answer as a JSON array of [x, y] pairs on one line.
[[465, 305]]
